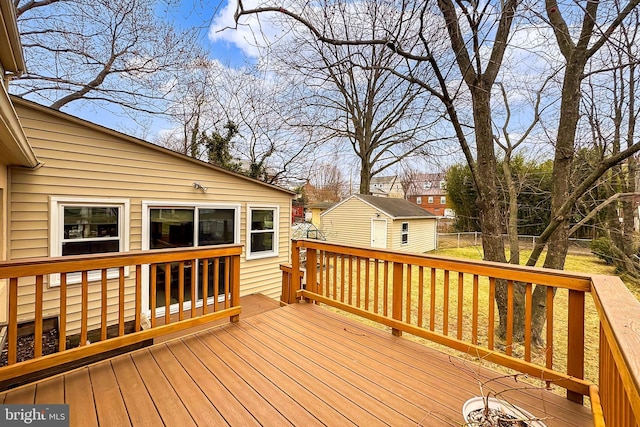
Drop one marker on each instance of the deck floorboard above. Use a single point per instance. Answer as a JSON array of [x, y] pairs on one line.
[[296, 365]]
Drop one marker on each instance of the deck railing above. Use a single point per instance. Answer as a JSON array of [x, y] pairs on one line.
[[26, 286], [451, 302]]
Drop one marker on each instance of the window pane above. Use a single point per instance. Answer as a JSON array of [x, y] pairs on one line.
[[262, 242], [83, 247], [405, 227], [216, 226], [262, 219], [90, 222], [171, 228]]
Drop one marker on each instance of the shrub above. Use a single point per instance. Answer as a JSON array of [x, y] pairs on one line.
[[602, 247]]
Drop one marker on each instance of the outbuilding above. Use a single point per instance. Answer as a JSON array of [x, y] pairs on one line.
[[377, 222]]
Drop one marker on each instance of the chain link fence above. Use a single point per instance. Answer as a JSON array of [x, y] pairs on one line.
[[474, 238]]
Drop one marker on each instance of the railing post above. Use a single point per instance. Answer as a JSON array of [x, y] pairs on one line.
[[312, 271], [295, 271], [396, 308], [235, 285], [575, 341]]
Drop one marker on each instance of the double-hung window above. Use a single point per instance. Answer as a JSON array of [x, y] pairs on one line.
[[83, 226], [404, 235], [262, 231]]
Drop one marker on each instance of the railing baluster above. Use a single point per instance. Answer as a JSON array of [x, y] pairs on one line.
[[205, 285], [366, 283], [216, 283], [312, 270], [181, 290], [396, 306], [342, 278], [350, 280], [460, 304], [103, 304], [549, 352], [121, 297], [376, 288], [492, 313], [575, 342], [335, 275], [321, 273], [85, 308], [408, 295], [420, 294], [227, 278], [445, 304], [13, 321], [152, 291], [37, 333], [474, 319], [167, 293], [138, 302], [509, 337], [386, 288], [358, 281], [235, 289], [528, 295], [194, 300], [62, 325], [432, 305]]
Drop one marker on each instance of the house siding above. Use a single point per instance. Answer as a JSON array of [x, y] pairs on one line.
[[81, 161]]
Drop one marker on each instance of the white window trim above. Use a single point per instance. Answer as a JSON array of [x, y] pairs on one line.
[[402, 233], [56, 204], [430, 200], [276, 234], [419, 200], [443, 200]]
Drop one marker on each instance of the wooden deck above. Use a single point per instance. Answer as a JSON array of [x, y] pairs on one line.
[[296, 365]]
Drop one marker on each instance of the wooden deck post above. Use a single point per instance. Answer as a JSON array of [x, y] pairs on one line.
[[235, 285], [295, 271], [396, 308], [312, 270]]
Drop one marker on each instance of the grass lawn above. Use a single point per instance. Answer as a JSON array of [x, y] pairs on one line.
[[447, 313]]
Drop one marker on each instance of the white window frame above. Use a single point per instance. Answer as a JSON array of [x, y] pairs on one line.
[[276, 235], [443, 200], [430, 200], [404, 234], [419, 200], [56, 226]]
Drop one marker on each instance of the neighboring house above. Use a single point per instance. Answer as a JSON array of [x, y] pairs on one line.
[[316, 211], [430, 193], [379, 222], [72, 187], [386, 186]]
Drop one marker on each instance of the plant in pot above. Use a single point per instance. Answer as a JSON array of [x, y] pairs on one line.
[[491, 409]]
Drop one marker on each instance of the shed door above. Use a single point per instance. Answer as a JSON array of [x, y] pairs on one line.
[[378, 233]]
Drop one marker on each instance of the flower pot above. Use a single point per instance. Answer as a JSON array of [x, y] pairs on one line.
[[479, 402]]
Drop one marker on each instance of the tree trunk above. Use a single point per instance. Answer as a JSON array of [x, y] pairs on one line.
[[558, 244]]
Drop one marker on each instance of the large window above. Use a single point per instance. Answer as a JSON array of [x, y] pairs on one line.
[[82, 226], [263, 231]]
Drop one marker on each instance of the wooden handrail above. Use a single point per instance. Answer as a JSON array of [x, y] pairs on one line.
[[37, 268]]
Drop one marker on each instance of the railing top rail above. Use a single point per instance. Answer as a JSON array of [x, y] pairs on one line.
[[68, 264], [619, 313], [537, 275]]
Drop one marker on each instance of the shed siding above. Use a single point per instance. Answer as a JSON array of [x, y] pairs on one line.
[[80, 161], [350, 223], [421, 235]]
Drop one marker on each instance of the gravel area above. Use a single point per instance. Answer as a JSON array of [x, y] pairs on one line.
[[25, 346]]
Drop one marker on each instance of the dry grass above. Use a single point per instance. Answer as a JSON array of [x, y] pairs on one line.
[[422, 315]]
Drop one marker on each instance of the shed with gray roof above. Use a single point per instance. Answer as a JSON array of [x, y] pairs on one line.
[[378, 222]]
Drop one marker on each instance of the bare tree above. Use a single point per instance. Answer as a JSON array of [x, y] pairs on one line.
[[106, 51], [327, 183], [479, 33], [381, 116]]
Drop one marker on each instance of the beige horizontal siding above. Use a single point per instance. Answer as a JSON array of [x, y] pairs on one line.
[[421, 235], [81, 161], [350, 223]]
